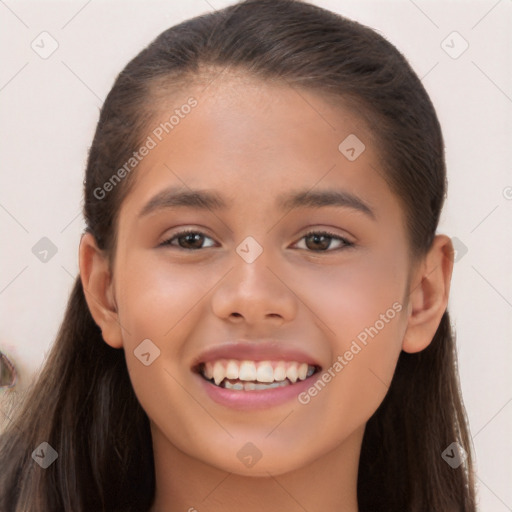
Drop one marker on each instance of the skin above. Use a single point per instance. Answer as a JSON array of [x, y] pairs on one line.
[[252, 141]]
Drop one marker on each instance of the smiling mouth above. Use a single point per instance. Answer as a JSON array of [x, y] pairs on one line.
[[246, 375]]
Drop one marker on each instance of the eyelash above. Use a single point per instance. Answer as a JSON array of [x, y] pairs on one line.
[[346, 243]]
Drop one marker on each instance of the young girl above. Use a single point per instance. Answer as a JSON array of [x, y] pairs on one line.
[[260, 318]]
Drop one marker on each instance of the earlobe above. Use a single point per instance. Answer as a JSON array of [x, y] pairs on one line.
[[428, 296], [98, 288]]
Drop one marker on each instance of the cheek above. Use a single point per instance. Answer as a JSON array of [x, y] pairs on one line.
[[351, 298], [362, 308], [157, 298], [350, 390], [161, 303]]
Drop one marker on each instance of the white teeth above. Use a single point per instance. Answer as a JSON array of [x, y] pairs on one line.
[[292, 373], [218, 372], [247, 371], [251, 386], [208, 370], [302, 371], [280, 372], [262, 372], [278, 384], [237, 385], [265, 372], [232, 370]]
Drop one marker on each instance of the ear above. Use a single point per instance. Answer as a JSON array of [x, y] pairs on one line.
[[99, 290], [428, 296]]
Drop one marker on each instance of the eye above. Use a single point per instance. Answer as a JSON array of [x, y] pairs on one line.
[[187, 240], [321, 240], [317, 241]]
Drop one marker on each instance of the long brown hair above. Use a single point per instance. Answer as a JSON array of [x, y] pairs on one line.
[[82, 403]]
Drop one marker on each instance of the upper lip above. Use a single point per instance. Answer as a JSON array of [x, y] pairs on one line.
[[265, 350]]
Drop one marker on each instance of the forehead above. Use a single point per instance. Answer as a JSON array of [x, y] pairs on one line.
[[239, 115], [253, 139]]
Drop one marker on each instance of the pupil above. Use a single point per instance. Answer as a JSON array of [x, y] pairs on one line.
[[192, 237], [316, 240]]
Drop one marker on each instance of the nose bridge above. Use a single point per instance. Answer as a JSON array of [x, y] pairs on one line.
[[252, 289], [253, 278]]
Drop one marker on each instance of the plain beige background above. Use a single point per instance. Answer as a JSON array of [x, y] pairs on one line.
[[50, 104]]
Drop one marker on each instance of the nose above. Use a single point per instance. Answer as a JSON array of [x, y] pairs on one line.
[[254, 293]]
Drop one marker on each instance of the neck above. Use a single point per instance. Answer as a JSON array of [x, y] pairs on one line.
[[185, 484]]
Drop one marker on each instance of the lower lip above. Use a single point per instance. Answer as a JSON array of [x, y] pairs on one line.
[[257, 399]]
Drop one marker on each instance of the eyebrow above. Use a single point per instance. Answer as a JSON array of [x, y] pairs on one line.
[[210, 200]]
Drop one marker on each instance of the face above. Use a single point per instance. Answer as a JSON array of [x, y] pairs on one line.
[[296, 263]]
